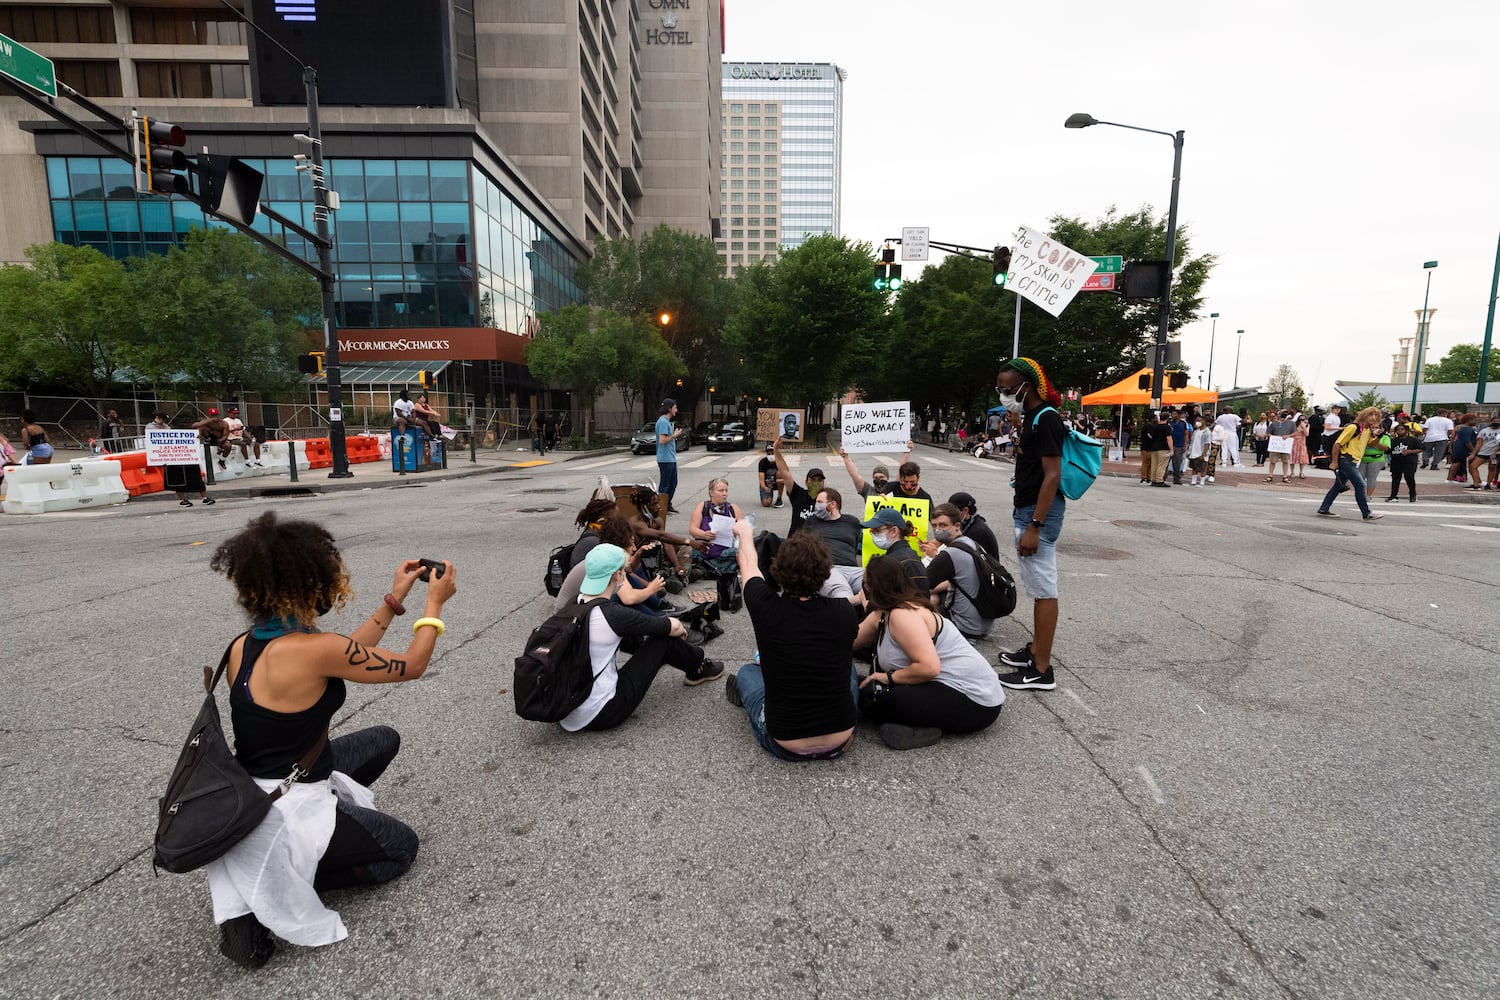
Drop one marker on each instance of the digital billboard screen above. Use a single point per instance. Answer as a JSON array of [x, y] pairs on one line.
[[378, 53]]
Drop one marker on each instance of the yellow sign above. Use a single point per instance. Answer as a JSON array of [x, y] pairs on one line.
[[916, 512]]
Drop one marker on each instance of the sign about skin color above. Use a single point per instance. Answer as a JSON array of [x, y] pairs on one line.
[[916, 512], [787, 425], [871, 427], [1045, 271], [167, 446]]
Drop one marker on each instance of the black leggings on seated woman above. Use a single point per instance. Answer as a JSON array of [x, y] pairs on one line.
[[367, 847], [929, 704]]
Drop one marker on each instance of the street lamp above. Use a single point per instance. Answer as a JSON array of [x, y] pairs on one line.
[[664, 318], [1212, 336], [1238, 344], [1416, 375], [1082, 120]]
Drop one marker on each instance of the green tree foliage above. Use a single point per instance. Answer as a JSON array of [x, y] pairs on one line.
[[810, 326], [647, 361], [590, 349], [1460, 364], [1284, 390], [67, 319], [667, 271], [953, 313], [1367, 399], [226, 313]]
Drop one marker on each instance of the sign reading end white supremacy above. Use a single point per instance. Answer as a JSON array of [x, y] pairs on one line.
[[1045, 271], [876, 427], [165, 446]]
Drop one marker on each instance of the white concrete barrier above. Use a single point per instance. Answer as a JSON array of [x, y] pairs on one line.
[[37, 489], [274, 461]]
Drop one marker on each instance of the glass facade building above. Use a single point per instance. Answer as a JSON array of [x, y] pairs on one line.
[[418, 243], [782, 129]]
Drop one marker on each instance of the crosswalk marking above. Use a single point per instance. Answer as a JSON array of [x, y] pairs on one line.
[[614, 460], [741, 463], [940, 463], [695, 463]]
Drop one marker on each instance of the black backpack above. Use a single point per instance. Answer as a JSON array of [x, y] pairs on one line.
[[555, 673], [212, 803], [559, 564], [996, 596]]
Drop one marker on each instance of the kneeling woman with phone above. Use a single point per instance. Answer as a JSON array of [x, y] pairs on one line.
[[286, 680]]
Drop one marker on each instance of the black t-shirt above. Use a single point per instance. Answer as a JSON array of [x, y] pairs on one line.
[[767, 469], [979, 530], [805, 657], [1041, 437], [802, 505], [911, 563], [893, 488], [1157, 437], [843, 537]]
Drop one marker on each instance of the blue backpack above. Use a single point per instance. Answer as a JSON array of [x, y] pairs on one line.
[[1081, 459]]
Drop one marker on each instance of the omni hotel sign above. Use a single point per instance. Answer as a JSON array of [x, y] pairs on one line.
[[669, 33], [779, 71]]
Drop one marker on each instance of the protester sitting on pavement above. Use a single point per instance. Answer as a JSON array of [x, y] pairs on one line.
[[841, 534], [1348, 450], [800, 692], [889, 531], [770, 480], [322, 833], [880, 476], [652, 527], [619, 689], [712, 521], [236, 436], [926, 681], [953, 573], [589, 520], [802, 496], [34, 441], [638, 590], [973, 523]]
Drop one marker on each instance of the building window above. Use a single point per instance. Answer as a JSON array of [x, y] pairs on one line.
[[755, 133], [91, 77], [737, 120], [225, 81], [176, 26], [737, 109], [739, 159], [754, 147], [736, 171], [737, 147], [755, 109], [755, 159], [27, 24], [736, 246], [736, 133], [770, 134], [753, 121]]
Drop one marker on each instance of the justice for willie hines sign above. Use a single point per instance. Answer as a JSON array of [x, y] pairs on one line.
[[876, 427], [916, 513], [166, 446], [1045, 271]]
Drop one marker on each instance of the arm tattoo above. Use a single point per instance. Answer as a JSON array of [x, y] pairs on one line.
[[373, 661]]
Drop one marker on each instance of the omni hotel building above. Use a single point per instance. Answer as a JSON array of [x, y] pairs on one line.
[[782, 127], [478, 148]]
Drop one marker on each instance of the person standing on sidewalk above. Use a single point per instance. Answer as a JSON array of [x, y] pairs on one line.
[[1180, 431], [1027, 393], [666, 452], [1462, 447], [1406, 452], [1348, 452], [1229, 441], [1486, 454], [1435, 433], [1157, 443]]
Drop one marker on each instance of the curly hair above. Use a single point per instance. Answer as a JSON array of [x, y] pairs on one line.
[[802, 564], [284, 569], [595, 510], [887, 586], [617, 530]]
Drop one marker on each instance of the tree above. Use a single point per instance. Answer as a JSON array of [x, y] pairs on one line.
[[579, 346], [226, 313], [672, 272], [646, 360], [1367, 399], [1460, 364], [1284, 389], [68, 319], [809, 325], [953, 312]]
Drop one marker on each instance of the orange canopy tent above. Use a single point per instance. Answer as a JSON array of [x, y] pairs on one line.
[[1126, 392]]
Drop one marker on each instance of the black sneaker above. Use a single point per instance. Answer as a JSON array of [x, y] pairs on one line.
[[672, 510], [1021, 658], [711, 670], [732, 691], [245, 941], [1029, 680], [779, 503], [899, 737], [1326, 513]]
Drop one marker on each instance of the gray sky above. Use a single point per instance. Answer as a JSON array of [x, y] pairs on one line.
[[1332, 147]]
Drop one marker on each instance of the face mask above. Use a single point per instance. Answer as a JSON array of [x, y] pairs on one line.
[[814, 485], [820, 511], [942, 535], [883, 542], [880, 482], [1012, 400]]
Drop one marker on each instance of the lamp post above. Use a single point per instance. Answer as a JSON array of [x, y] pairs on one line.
[[1212, 336], [1416, 375], [1489, 330], [1237, 345], [1159, 363]]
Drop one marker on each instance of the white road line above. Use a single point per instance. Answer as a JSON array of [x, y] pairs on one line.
[[697, 462], [596, 465], [1470, 527], [885, 460], [747, 461], [940, 463], [1151, 786], [793, 461], [1079, 700]]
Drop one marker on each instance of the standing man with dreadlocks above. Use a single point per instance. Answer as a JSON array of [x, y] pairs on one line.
[[1029, 395]]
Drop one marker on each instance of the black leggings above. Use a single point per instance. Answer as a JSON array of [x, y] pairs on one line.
[[1404, 466], [638, 673], [368, 847], [929, 704]]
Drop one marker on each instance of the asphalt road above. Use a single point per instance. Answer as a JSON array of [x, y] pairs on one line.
[[1269, 771]]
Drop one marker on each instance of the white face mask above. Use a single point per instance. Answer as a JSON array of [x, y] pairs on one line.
[[883, 541], [1012, 400], [820, 511]]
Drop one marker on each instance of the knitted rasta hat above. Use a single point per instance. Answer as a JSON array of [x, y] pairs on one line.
[[1033, 373]]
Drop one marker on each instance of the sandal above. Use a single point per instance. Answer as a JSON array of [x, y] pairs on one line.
[[1270, 479], [1286, 479]]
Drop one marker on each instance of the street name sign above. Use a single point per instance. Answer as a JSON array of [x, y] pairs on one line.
[[25, 66]]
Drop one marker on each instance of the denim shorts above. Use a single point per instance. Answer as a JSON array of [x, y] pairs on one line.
[[1039, 572]]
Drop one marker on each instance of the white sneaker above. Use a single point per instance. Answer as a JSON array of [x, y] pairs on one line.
[[1199, 485], [1210, 478]]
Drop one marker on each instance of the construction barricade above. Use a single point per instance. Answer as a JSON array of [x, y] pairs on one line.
[[37, 489]]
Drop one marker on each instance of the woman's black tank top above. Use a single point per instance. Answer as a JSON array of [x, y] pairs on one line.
[[268, 743]]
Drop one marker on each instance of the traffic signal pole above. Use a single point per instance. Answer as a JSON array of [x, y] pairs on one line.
[[337, 445]]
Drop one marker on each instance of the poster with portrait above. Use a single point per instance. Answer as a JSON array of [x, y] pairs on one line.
[[773, 423]]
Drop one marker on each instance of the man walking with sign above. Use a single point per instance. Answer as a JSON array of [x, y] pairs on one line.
[[1029, 395]]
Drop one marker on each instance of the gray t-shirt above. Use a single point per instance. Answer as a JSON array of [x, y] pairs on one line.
[[843, 537], [954, 564], [960, 666]]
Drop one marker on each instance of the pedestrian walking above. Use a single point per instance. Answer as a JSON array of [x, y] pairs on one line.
[[1374, 459], [1348, 450]]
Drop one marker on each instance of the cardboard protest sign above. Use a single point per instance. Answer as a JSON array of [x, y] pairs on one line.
[[871, 427], [772, 423], [916, 512], [168, 446], [1045, 271]]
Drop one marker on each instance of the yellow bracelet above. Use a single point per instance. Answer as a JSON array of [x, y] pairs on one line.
[[436, 623]]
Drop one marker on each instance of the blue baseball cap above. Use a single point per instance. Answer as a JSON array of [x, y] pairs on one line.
[[886, 517], [599, 567]]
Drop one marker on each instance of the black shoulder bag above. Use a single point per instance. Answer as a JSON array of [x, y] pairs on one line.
[[212, 803]]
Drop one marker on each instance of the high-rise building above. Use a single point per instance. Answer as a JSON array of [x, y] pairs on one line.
[[781, 139], [478, 147]]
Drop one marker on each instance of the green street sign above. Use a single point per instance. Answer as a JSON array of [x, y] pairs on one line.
[[28, 67], [1109, 265]]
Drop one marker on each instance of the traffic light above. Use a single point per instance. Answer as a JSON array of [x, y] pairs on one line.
[[893, 277], [310, 363], [882, 280], [1144, 279], [1001, 265], [230, 188], [161, 165], [426, 380], [887, 254], [1144, 382], [1177, 380]]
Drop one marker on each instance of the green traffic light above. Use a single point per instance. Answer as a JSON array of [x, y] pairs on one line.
[[894, 284], [880, 284], [1000, 280]]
